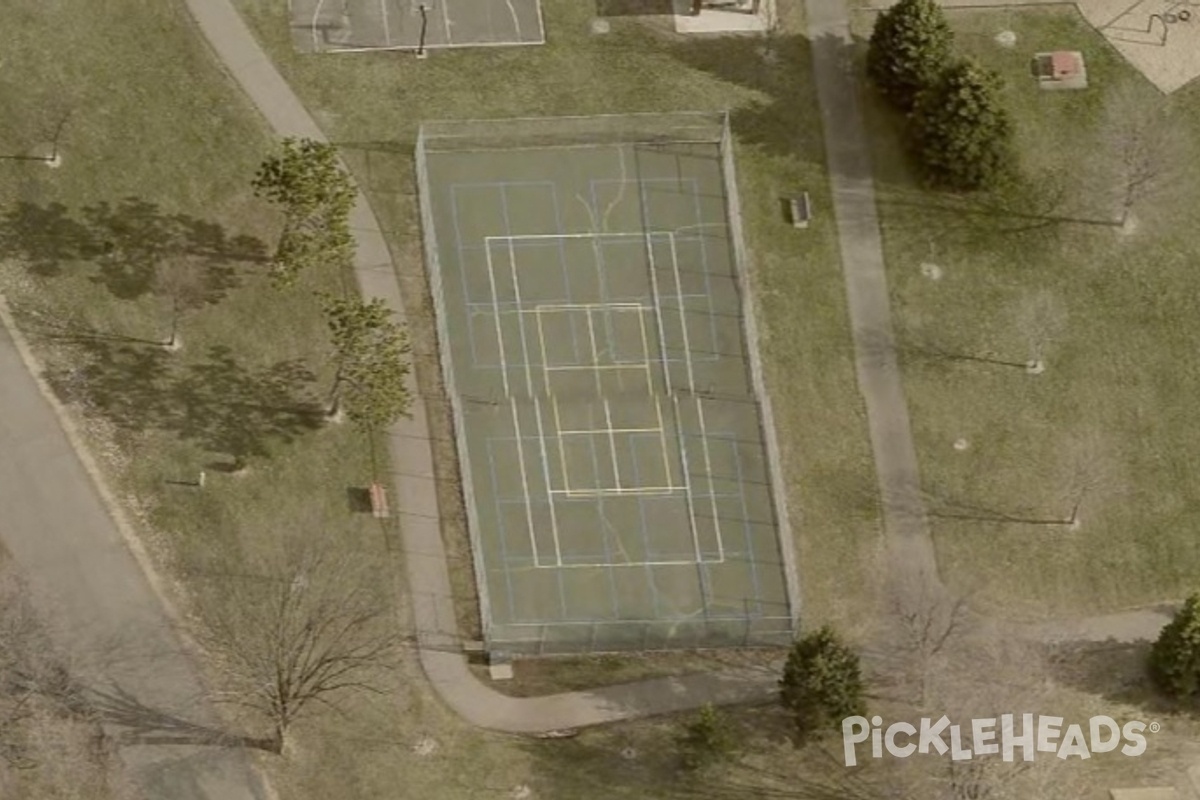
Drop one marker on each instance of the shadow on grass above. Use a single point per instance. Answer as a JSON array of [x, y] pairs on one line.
[[124, 244], [785, 119], [215, 402], [140, 723], [645, 761], [1116, 671], [638, 8]]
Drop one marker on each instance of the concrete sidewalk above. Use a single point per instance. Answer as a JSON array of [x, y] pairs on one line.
[[912, 561], [93, 593], [413, 473]]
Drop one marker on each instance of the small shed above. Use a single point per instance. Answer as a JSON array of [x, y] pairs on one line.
[[1062, 69]]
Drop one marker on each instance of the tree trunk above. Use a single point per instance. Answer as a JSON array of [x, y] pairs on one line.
[[173, 342], [333, 411]]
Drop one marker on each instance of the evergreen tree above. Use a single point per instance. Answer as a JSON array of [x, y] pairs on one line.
[[1175, 657], [960, 133], [910, 46], [822, 683]]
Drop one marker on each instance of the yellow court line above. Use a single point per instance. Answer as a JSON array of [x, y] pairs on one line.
[[537, 407], [687, 481], [524, 480], [662, 438], [512, 262], [593, 368], [545, 356], [687, 345], [586, 306], [496, 312], [595, 431], [612, 443], [712, 489], [595, 353], [628, 490], [646, 353], [658, 315], [562, 451]]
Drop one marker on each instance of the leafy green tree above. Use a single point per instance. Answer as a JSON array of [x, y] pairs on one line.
[[371, 355], [316, 195], [910, 46], [960, 132], [1175, 657], [822, 683], [706, 739]]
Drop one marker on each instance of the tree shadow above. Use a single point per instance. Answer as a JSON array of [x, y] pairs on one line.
[[141, 724], [1116, 671], [645, 761], [124, 244], [216, 402], [638, 8], [773, 65]]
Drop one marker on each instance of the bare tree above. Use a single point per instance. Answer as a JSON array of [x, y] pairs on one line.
[[1144, 151], [183, 280], [310, 631], [51, 743]]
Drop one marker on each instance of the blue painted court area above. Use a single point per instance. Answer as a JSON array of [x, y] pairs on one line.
[[615, 470]]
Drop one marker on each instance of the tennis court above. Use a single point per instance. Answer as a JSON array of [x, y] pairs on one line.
[[331, 26], [617, 478]]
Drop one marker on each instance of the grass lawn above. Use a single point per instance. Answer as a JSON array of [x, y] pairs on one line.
[[372, 105], [1113, 316], [157, 153]]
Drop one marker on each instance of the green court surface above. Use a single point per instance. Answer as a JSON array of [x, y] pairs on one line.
[[615, 470]]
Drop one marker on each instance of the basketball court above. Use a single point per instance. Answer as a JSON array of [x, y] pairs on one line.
[[325, 26]]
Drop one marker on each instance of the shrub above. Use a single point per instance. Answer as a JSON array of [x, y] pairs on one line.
[[822, 683], [706, 739], [1175, 657]]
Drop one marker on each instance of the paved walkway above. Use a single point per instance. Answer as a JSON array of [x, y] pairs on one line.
[[413, 474], [85, 579], [910, 552]]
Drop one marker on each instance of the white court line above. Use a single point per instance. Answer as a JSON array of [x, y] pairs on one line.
[[712, 489], [687, 481], [612, 443], [646, 357], [591, 368], [687, 347], [628, 490], [524, 481], [662, 438], [496, 313], [594, 565], [658, 316], [512, 263], [562, 451], [595, 355], [593, 431], [316, 15], [387, 34], [537, 407], [586, 306], [556, 236], [545, 356]]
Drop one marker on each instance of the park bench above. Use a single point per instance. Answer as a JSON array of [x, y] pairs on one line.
[[379, 503], [799, 210]]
